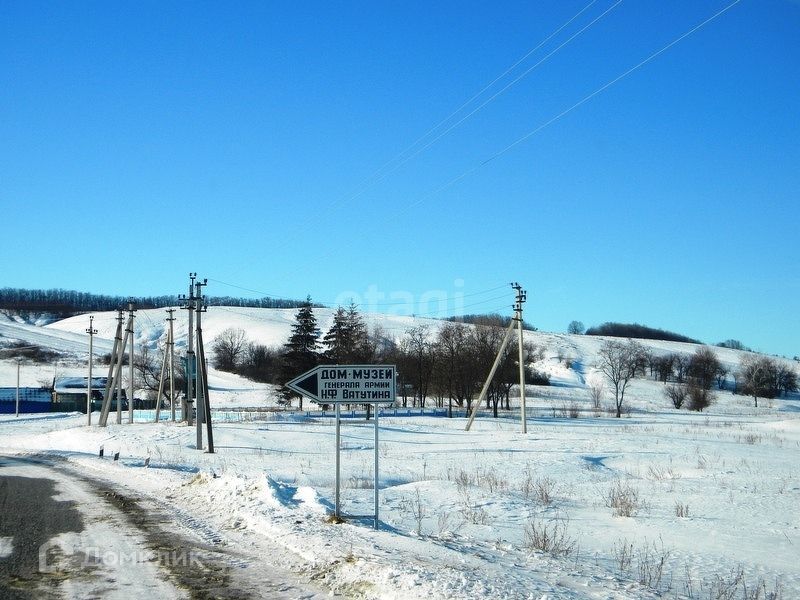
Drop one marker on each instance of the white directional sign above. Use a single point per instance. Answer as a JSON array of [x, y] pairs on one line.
[[347, 384]]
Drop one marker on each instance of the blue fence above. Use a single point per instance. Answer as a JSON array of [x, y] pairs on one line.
[[241, 416]]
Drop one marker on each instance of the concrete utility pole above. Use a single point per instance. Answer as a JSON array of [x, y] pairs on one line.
[[117, 383], [16, 411], [515, 322], [168, 358], [204, 404], [110, 381], [171, 345], [92, 332], [201, 404], [190, 359], [131, 310], [522, 296]]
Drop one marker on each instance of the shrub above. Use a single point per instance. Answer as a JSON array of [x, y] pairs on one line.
[[676, 394], [27, 351], [623, 498], [699, 397], [548, 536]]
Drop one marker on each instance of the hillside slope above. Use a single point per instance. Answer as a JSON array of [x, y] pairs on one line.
[[568, 359]]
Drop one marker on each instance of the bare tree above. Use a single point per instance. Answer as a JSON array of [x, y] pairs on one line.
[[147, 368], [229, 347], [786, 379], [596, 391], [576, 327], [703, 369], [680, 363], [758, 377], [676, 393], [666, 366], [419, 344], [619, 362]]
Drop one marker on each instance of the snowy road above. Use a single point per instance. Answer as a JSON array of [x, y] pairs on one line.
[[65, 535], [60, 341]]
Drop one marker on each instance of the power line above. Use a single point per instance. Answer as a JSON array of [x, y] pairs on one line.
[[565, 112], [380, 173], [332, 304], [604, 87], [510, 84]]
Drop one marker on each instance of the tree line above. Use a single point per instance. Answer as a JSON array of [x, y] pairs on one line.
[[445, 367], [690, 379], [634, 331], [63, 303]]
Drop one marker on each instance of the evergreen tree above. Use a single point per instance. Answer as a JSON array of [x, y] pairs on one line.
[[300, 353], [347, 341], [361, 348], [337, 341]]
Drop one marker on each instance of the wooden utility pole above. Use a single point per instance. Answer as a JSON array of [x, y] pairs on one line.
[[92, 332]]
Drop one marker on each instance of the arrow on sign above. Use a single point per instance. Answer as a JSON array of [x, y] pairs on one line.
[[348, 384], [306, 384]]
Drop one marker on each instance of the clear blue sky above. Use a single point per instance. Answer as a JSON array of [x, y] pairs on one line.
[[261, 145]]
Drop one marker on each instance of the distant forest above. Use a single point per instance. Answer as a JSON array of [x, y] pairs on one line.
[[63, 303], [634, 330], [492, 319]]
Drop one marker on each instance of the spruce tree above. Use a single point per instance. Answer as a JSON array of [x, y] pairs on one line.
[[337, 340], [347, 341], [300, 353]]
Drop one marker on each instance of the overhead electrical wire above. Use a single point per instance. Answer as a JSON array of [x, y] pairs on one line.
[[604, 87], [380, 173], [331, 304], [565, 112], [377, 177], [510, 84]]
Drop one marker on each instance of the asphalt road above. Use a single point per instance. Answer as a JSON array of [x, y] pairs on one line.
[[66, 535], [29, 517]]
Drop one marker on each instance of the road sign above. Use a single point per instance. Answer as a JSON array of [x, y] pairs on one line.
[[347, 384]]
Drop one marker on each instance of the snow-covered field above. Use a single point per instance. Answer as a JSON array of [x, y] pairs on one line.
[[661, 503]]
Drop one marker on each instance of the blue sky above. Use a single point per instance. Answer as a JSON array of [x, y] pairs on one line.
[[270, 147]]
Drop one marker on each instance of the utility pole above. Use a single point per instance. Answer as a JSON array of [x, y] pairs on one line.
[[171, 345], [16, 412], [515, 322], [203, 405], [131, 310], [522, 296], [201, 412], [190, 359], [92, 332], [110, 381], [168, 358]]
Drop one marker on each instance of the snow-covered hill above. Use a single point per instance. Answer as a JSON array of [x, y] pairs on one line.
[[712, 496], [272, 327]]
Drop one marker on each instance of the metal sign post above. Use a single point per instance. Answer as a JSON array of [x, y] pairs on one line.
[[376, 487], [336, 510], [349, 384]]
